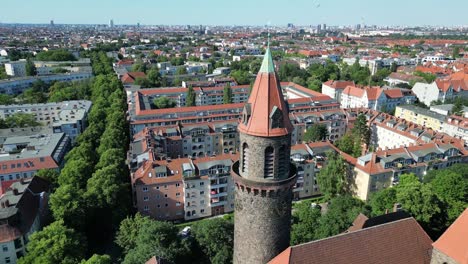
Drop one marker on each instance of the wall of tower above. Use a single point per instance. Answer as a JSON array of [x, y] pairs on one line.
[[256, 156], [262, 225]]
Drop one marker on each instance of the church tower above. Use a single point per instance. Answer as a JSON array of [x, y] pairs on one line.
[[263, 176]]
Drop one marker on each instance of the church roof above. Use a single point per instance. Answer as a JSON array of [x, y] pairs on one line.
[[266, 109], [454, 242]]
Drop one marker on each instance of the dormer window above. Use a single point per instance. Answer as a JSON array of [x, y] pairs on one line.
[[246, 113], [276, 118]]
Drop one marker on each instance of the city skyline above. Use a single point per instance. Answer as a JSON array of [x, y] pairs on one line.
[[274, 12]]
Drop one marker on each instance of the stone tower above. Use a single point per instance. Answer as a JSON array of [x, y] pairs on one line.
[[263, 175]]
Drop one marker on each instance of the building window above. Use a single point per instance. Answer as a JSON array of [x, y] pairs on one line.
[[269, 162], [157, 187], [146, 208], [5, 248], [202, 211], [145, 189], [165, 195], [146, 198], [245, 158], [159, 206], [202, 192], [177, 194], [202, 183], [177, 204], [166, 205], [202, 202], [177, 184], [165, 186]]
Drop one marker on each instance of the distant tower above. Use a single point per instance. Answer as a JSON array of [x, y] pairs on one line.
[[264, 181], [111, 23], [52, 23]]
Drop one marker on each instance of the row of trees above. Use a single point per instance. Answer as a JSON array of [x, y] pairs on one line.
[[55, 55], [210, 241], [92, 193]]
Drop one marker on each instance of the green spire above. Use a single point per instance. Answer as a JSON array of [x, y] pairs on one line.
[[267, 64]]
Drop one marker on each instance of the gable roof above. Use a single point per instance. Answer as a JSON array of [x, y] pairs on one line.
[[454, 242], [402, 241]]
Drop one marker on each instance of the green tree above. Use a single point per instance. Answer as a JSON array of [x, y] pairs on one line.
[[332, 178], [361, 129], [55, 55], [181, 70], [316, 132], [3, 74], [346, 143], [305, 223], [342, 211], [55, 244], [456, 52], [157, 239], [30, 68], [451, 188], [315, 85], [163, 102], [418, 199], [458, 107], [143, 82], [215, 237], [154, 77], [241, 77], [382, 201], [98, 259], [139, 67], [227, 94], [6, 99], [49, 174], [129, 229], [393, 67], [190, 98]]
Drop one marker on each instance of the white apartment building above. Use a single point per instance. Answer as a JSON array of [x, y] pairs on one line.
[[16, 68], [334, 89], [67, 117], [18, 85]]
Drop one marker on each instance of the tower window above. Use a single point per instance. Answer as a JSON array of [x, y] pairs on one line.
[[283, 161], [245, 158], [276, 118], [269, 162]]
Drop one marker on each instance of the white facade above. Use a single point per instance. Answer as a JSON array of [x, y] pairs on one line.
[[16, 68], [386, 138], [427, 93]]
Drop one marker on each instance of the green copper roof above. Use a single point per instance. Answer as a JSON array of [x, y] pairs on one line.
[[267, 64]]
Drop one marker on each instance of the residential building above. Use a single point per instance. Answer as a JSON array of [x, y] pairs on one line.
[[334, 89], [396, 78], [16, 86], [185, 188], [455, 85], [129, 78], [420, 116], [69, 117], [375, 98], [446, 109], [16, 68], [456, 126], [50, 67], [23, 156], [23, 211]]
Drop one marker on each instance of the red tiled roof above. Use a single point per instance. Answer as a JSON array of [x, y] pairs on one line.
[[33, 164], [454, 242], [130, 77], [402, 241], [393, 93], [353, 91], [339, 84]]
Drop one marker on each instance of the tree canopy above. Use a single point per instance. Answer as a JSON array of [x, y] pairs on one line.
[[55, 55], [316, 132]]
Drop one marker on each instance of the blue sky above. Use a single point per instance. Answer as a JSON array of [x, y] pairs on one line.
[[238, 12]]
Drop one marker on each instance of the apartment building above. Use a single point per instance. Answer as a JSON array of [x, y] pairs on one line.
[[456, 126], [375, 98], [382, 169], [67, 117], [185, 188], [23, 156], [16, 68], [334, 89], [50, 67], [23, 211], [18, 85], [455, 85], [421, 116]]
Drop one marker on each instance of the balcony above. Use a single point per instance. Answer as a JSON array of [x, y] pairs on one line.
[[219, 185], [299, 189], [300, 172], [213, 204], [300, 179], [217, 195]]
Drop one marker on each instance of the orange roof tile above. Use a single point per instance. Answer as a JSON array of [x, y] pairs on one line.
[[454, 242]]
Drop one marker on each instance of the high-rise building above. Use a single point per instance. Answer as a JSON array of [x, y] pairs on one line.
[[263, 175], [52, 23], [324, 27], [111, 23]]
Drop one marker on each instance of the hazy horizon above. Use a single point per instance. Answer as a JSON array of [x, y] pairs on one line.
[[243, 13]]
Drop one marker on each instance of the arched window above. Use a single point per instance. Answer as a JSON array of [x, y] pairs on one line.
[[269, 167], [245, 158]]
